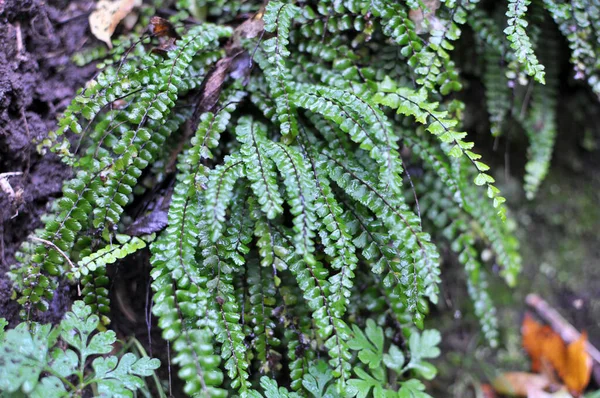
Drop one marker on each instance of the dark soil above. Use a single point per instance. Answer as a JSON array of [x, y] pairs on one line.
[[37, 82]]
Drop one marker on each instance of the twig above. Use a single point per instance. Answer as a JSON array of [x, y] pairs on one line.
[[560, 325], [19, 38], [28, 166], [47, 242], [13, 197]]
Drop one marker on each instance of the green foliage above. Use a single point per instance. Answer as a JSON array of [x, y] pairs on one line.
[[380, 371], [279, 151], [35, 362], [520, 41]]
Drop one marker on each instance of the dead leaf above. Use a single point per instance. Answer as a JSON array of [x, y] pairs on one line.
[[521, 384], [160, 27], [578, 367], [251, 28], [166, 45], [241, 66], [152, 222], [546, 348], [542, 344], [426, 21], [107, 15], [213, 84]]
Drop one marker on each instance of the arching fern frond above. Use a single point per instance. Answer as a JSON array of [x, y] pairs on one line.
[[520, 41]]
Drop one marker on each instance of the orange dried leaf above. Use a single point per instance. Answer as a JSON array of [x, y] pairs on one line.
[[542, 344], [572, 363], [578, 369], [530, 330]]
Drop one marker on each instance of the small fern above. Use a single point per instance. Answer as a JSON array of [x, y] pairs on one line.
[[280, 148]]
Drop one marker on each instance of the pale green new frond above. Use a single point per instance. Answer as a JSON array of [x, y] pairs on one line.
[[108, 255]]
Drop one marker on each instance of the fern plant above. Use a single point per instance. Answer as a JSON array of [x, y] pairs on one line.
[[34, 363], [279, 150]]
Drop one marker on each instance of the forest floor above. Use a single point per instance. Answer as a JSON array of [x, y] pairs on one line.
[[37, 82], [558, 230]]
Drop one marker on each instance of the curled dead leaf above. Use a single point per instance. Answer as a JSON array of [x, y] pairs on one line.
[[107, 15]]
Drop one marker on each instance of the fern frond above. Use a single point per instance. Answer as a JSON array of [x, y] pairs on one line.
[[335, 237], [219, 192], [363, 122], [262, 301], [497, 92], [503, 243], [259, 168], [95, 293], [300, 195], [520, 41], [278, 17], [403, 224], [198, 364], [414, 103], [108, 255], [572, 20], [540, 123]]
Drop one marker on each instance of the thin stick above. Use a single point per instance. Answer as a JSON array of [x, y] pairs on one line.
[[19, 38], [47, 242], [560, 325]]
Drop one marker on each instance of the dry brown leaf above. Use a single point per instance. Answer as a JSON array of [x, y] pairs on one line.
[[107, 15], [520, 384]]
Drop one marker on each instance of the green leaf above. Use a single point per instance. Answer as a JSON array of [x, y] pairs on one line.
[[369, 347], [50, 387], [412, 389], [3, 324], [394, 359], [23, 356], [64, 362], [318, 381], [273, 391], [118, 377], [424, 346]]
